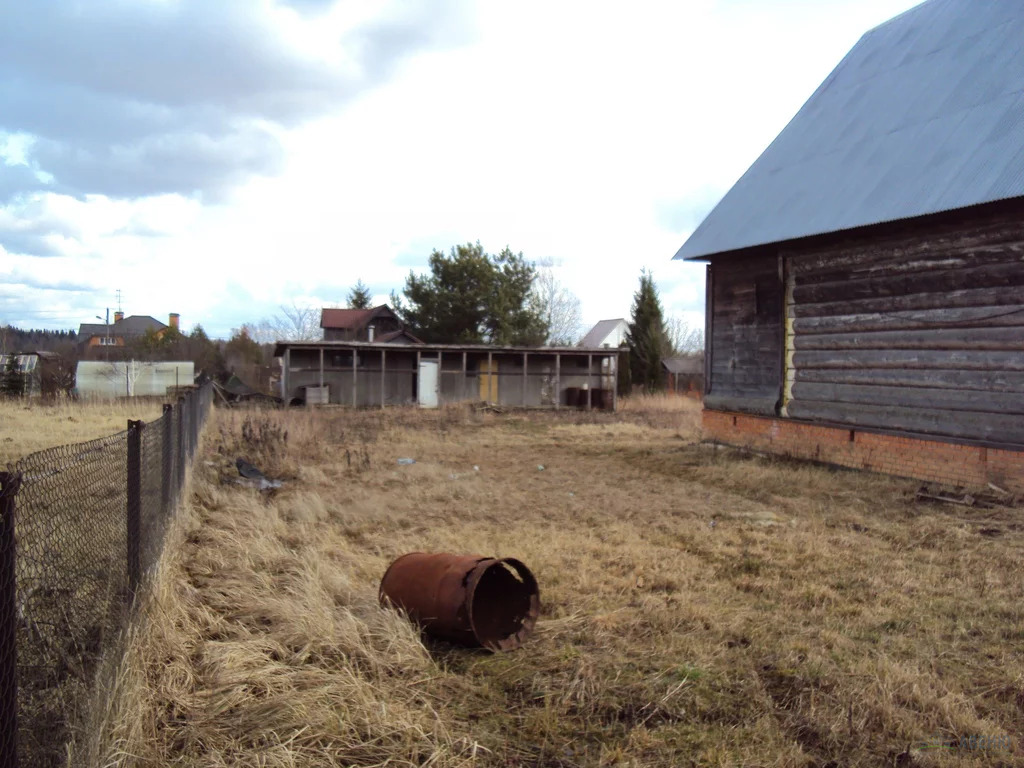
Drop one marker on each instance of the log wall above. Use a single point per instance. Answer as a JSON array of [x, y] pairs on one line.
[[744, 367], [921, 332]]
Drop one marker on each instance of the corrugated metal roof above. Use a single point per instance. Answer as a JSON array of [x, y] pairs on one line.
[[925, 114], [595, 336], [684, 364]]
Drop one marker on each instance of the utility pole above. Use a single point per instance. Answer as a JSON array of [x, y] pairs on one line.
[[106, 339]]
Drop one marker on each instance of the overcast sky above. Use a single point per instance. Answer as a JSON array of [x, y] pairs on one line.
[[220, 159]]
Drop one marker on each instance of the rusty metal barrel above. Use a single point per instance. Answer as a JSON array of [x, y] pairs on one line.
[[466, 599]]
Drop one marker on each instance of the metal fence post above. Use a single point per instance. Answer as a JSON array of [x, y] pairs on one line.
[[195, 421], [181, 445], [134, 507], [9, 483], [165, 461]]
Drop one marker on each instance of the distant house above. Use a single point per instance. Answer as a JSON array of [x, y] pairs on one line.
[[93, 337], [865, 285], [607, 333], [379, 324], [684, 374]]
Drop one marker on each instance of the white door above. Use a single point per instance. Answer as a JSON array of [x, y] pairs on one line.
[[427, 389]]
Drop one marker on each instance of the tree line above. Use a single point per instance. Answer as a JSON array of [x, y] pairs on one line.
[[466, 296]]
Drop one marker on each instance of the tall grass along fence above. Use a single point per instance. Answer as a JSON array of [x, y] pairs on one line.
[[80, 527]]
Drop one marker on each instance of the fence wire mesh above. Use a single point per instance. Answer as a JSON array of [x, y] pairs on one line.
[[89, 522]]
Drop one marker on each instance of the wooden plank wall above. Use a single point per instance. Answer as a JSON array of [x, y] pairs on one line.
[[746, 345], [923, 333]]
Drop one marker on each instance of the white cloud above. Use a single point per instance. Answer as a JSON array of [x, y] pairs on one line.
[[596, 134]]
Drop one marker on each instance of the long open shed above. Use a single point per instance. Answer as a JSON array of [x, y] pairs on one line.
[[371, 374]]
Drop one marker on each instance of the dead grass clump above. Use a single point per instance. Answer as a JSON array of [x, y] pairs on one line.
[[664, 410], [27, 426], [699, 607]]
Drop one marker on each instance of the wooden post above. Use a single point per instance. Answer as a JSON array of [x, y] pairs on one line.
[[590, 379], [321, 371], [463, 376], [355, 390], [558, 380], [615, 384], [383, 364], [490, 375], [440, 376], [525, 379], [417, 374]]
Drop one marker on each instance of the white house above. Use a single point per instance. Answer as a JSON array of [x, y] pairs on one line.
[[607, 333]]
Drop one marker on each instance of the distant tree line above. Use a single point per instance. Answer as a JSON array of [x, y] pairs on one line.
[[466, 296]]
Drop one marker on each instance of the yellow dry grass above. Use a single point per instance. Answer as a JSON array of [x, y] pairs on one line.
[[700, 607], [27, 426]]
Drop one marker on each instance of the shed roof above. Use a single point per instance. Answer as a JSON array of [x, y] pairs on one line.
[[399, 337], [281, 346], [925, 114], [684, 364], [351, 318], [596, 335]]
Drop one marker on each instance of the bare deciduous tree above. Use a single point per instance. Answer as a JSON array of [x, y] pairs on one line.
[[559, 307], [295, 322], [685, 339]]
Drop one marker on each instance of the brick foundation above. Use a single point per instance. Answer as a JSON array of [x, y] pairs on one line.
[[941, 462]]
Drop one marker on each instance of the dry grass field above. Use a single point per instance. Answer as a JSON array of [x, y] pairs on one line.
[[27, 426], [699, 607]]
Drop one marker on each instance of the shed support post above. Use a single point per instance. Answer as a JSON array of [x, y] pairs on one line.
[[355, 389], [463, 376], [383, 364], [416, 375], [615, 382], [590, 379], [440, 376], [490, 376], [321, 371], [558, 381], [285, 376], [525, 379]]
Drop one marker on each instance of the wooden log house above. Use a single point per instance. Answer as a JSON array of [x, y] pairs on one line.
[[865, 278]]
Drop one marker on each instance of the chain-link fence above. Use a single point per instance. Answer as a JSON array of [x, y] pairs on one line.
[[80, 527]]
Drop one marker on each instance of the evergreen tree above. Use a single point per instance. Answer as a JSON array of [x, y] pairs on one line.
[[647, 340], [359, 297], [471, 297], [207, 356]]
